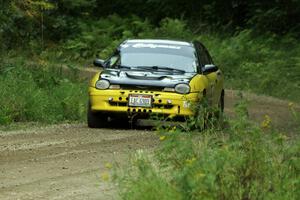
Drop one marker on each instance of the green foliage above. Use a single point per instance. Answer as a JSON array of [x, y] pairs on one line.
[[52, 20], [103, 36], [267, 64], [39, 92], [153, 186], [242, 162], [77, 5]]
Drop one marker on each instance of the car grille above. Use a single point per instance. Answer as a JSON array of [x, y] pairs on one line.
[[141, 88]]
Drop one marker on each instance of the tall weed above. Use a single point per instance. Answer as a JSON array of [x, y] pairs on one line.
[[241, 162]]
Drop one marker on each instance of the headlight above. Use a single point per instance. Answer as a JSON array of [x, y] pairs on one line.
[[182, 88], [102, 84]]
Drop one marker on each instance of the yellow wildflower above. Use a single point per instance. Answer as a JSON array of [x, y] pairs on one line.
[[266, 123], [108, 165], [105, 176], [190, 161], [161, 138], [171, 130]]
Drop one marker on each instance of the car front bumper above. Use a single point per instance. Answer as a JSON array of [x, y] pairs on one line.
[[170, 104]]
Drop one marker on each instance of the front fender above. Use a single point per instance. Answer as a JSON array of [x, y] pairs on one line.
[[199, 83], [94, 79]]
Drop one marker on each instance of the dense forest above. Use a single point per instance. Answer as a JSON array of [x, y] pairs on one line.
[[56, 21]]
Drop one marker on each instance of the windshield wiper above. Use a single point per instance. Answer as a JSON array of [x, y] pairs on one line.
[[151, 68], [162, 68], [123, 67], [131, 68]]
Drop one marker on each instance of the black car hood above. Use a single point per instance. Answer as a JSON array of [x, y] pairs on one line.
[[145, 78]]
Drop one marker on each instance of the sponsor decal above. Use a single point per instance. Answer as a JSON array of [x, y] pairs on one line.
[[153, 46]]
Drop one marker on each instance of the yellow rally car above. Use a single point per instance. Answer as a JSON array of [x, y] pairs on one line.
[[153, 77]]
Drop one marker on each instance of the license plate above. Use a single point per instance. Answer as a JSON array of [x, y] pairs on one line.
[[140, 100]]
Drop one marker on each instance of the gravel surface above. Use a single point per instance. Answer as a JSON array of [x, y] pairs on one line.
[[64, 161]]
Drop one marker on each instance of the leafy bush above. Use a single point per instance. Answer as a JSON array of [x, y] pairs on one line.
[[39, 93], [267, 64], [242, 162], [100, 38]]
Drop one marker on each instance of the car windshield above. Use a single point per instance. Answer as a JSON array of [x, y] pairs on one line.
[[157, 56]]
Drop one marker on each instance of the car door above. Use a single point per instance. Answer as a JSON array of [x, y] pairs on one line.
[[219, 81], [204, 59], [216, 79]]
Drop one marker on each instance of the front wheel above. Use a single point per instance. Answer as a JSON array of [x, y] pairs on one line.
[[220, 115], [221, 103], [96, 119]]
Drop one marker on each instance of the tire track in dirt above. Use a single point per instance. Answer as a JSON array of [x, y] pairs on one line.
[[64, 161], [259, 106]]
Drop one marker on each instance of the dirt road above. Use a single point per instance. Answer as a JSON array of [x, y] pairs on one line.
[[66, 161]]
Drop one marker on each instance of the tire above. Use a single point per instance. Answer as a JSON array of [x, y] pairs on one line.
[[222, 102], [220, 114], [96, 119]]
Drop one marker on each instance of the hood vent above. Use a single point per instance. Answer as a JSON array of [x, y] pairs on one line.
[[141, 87], [146, 76]]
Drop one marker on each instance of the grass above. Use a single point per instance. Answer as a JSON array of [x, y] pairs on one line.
[[39, 92], [243, 161]]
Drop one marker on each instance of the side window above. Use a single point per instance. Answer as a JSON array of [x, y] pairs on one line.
[[210, 61], [204, 56], [196, 44], [204, 59], [113, 60]]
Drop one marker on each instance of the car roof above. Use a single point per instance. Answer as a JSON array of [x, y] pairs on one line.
[[159, 41]]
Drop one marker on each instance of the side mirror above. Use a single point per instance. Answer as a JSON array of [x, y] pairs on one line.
[[99, 63], [209, 68]]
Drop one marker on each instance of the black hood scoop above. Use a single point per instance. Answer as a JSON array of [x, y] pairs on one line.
[[145, 78]]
